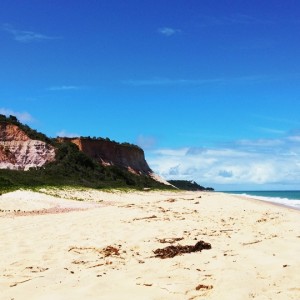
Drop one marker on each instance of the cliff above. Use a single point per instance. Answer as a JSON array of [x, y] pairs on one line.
[[92, 162], [19, 152], [109, 153]]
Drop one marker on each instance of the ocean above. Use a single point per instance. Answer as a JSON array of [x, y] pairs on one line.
[[288, 198]]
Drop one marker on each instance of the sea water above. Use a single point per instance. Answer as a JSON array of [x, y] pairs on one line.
[[288, 198]]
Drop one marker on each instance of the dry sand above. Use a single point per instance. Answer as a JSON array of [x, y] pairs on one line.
[[57, 247]]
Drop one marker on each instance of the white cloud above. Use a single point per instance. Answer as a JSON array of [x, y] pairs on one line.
[[225, 173], [25, 36], [145, 142], [172, 152], [23, 117], [64, 88], [294, 138], [263, 163], [64, 133], [168, 31], [261, 142]]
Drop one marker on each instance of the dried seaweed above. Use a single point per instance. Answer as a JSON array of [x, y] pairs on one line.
[[110, 250], [171, 251], [203, 287]]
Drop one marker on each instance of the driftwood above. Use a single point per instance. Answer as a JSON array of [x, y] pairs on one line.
[[170, 240], [145, 218], [171, 251], [255, 242]]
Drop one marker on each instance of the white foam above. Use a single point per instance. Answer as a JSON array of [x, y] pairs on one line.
[[284, 201]]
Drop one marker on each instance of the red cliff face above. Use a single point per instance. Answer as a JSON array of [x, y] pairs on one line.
[[19, 152], [110, 153], [9, 132]]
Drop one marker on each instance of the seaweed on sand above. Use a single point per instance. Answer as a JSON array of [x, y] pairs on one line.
[[171, 251]]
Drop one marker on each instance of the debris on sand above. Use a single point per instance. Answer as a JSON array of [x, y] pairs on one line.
[[170, 200], [203, 287], [171, 251], [107, 251], [170, 240], [110, 250], [145, 218]]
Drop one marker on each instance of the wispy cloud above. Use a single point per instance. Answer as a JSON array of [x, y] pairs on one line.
[[169, 81], [64, 133], [64, 88], [26, 36], [270, 130], [146, 142], [246, 19], [294, 138], [23, 117], [277, 120], [234, 19], [168, 31], [273, 163], [197, 81]]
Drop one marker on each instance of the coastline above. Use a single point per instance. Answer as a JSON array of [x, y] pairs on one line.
[[263, 199], [101, 246]]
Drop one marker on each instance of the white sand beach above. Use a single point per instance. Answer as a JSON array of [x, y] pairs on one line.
[[88, 244]]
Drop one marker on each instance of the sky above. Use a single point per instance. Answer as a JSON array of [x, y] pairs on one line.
[[208, 88]]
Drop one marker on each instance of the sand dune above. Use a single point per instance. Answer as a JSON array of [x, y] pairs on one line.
[[54, 245]]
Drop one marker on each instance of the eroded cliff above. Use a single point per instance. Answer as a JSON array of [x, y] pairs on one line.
[[19, 152], [110, 153], [22, 148]]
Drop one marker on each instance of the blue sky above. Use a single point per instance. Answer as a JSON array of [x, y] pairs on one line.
[[209, 89]]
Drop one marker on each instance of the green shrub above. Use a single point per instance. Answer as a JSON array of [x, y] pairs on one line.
[[71, 168]]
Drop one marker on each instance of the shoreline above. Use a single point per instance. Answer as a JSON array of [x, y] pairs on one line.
[[256, 198], [105, 246]]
